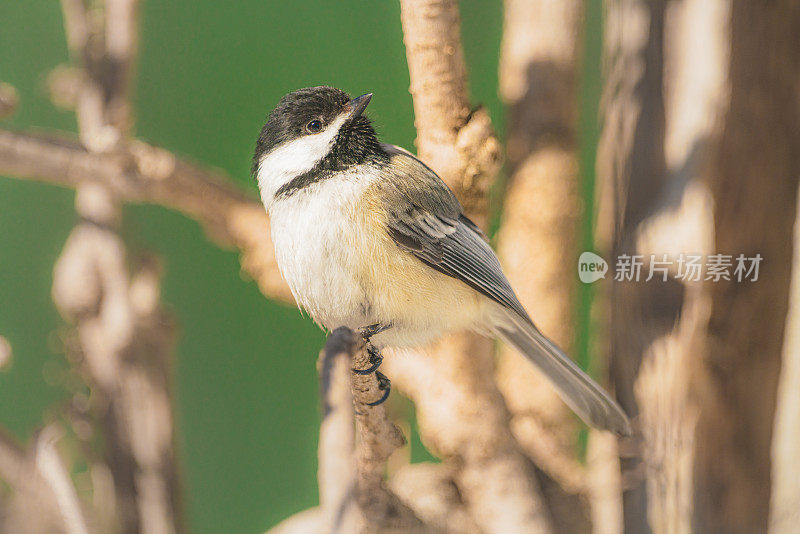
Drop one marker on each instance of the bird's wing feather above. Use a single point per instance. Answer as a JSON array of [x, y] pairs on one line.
[[432, 227], [425, 219]]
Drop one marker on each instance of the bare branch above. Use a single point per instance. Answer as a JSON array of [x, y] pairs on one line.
[[632, 171], [353, 495], [604, 483], [431, 491], [6, 353], [378, 439], [311, 520], [12, 461], [143, 173], [754, 179], [125, 344], [121, 49], [32, 506], [453, 139], [76, 24]]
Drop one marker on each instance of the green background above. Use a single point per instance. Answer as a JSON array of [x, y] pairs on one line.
[[209, 71]]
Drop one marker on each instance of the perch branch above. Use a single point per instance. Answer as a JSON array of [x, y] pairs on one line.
[[378, 439], [353, 495]]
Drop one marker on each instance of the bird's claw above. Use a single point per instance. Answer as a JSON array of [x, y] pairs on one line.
[[385, 385], [375, 360]]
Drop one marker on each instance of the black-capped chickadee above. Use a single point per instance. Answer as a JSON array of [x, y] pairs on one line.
[[367, 236]]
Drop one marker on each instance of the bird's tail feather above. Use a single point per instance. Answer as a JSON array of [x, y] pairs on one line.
[[579, 392]]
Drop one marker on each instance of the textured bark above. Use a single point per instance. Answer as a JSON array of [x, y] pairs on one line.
[[539, 237], [355, 442], [754, 182], [456, 140], [657, 146], [378, 438]]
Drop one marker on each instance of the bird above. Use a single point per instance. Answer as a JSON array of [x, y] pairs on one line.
[[369, 237]]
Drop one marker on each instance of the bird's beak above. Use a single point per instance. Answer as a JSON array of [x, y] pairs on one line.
[[357, 106]]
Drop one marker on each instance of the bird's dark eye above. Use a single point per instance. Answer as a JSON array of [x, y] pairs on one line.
[[314, 126]]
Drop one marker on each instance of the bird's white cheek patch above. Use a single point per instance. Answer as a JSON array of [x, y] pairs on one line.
[[286, 162]]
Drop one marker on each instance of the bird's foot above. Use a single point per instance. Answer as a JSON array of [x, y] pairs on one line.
[[385, 385], [374, 329], [375, 361]]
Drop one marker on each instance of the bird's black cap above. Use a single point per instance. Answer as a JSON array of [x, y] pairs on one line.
[[355, 143]]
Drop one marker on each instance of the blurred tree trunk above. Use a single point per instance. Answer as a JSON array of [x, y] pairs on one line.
[[539, 236], [680, 222], [754, 183], [632, 172], [698, 362]]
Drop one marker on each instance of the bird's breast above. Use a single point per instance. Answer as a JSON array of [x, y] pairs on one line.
[[334, 250], [318, 246]]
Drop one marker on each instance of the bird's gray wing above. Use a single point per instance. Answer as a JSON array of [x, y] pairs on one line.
[[425, 219]]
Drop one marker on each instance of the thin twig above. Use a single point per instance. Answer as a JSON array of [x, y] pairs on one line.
[[12, 461]]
